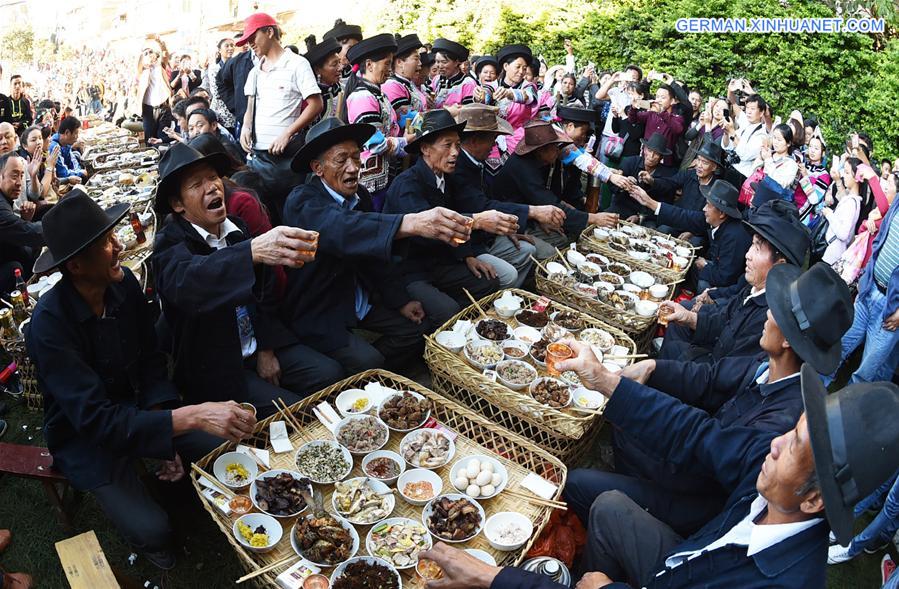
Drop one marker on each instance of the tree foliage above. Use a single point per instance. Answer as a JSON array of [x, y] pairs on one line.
[[17, 45]]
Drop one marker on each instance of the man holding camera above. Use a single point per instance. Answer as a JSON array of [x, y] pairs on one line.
[[745, 137]]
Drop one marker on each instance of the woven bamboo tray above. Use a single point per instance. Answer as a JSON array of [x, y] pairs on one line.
[[476, 435], [588, 243], [559, 432], [635, 325]]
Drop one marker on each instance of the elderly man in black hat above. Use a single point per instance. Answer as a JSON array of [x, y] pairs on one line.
[[708, 329], [523, 179], [641, 169], [355, 280], [720, 219], [435, 272], [217, 288], [759, 392], [108, 401], [453, 87], [784, 492]]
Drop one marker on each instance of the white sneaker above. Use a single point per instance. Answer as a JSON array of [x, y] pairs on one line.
[[837, 554], [831, 539]]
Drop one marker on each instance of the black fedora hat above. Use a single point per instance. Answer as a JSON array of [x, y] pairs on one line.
[[316, 54], [777, 221], [812, 309], [327, 132], [176, 160], [658, 143], [72, 225], [485, 60], [724, 196], [456, 50], [514, 51], [712, 152], [430, 124], [342, 30], [366, 48], [407, 43], [581, 115], [854, 436], [427, 59]]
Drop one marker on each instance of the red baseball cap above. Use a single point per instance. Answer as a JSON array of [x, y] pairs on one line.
[[253, 23]]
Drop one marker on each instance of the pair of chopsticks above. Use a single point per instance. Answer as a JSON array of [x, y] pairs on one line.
[[268, 568], [624, 356], [326, 421], [475, 303], [285, 413], [228, 493], [537, 500], [564, 261], [539, 265]]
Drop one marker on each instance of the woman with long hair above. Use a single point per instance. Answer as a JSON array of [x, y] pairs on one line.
[[849, 193], [224, 52], [324, 58]]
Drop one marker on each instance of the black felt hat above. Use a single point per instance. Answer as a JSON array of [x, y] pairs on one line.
[[407, 43], [582, 115], [176, 160], [658, 143], [812, 309], [432, 123], [724, 196], [485, 60], [510, 52], [316, 54], [385, 42], [854, 436], [72, 225], [456, 50], [427, 59], [324, 134], [713, 152], [342, 30], [777, 221]]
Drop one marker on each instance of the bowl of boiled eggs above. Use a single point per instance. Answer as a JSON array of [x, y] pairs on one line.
[[479, 476]]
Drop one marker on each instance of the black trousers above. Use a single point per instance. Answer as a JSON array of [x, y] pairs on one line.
[[441, 294], [156, 118]]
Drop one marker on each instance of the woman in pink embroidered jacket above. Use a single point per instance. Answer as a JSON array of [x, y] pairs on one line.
[[517, 99], [404, 96], [453, 86], [364, 102], [324, 58]]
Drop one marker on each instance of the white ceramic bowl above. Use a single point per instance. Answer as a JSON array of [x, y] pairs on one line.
[[599, 337], [420, 432], [378, 424], [344, 524], [637, 255], [629, 296], [527, 334], [417, 475], [339, 571], [514, 386], [369, 544], [253, 520], [631, 288], [682, 251], [589, 268], [452, 341], [463, 463], [604, 286], [658, 291], [347, 398], [399, 394], [269, 474], [219, 468], [584, 398], [574, 257], [482, 555], [619, 269], [428, 510], [681, 262], [646, 308], [343, 451], [598, 259], [507, 307], [601, 234], [642, 279], [376, 486], [486, 339], [384, 454], [475, 345], [555, 268], [505, 518], [560, 381], [518, 345]]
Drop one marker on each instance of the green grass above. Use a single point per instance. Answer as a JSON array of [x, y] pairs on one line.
[[208, 560]]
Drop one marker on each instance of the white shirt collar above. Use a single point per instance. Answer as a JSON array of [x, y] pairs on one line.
[[715, 230], [227, 228], [441, 183], [473, 160], [763, 377], [753, 294]]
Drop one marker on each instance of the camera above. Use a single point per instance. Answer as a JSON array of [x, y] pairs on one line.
[[731, 158]]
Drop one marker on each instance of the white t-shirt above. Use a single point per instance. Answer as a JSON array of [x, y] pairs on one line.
[[279, 93], [750, 144], [619, 98]]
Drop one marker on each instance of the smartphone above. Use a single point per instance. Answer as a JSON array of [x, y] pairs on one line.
[[727, 114], [855, 141]]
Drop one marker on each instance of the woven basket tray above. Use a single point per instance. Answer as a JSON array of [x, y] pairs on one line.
[[476, 435], [588, 243], [515, 410], [635, 325]]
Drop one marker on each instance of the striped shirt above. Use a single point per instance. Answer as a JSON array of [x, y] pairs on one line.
[[888, 258], [279, 93]]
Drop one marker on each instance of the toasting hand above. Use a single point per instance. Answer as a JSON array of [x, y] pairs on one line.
[[284, 246]]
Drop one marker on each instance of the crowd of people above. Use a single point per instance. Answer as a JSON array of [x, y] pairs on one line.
[[367, 183]]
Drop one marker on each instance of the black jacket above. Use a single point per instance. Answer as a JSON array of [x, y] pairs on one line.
[[415, 190], [726, 252], [192, 84], [20, 240], [523, 180], [230, 79], [200, 289], [354, 246], [99, 377], [474, 199], [623, 203], [732, 327], [624, 127], [687, 181]]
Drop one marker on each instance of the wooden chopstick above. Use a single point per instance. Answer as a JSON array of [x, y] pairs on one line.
[[289, 414], [535, 497], [267, 568], [539, 265], [222, 488], [624, 356], [257, 459], [564, 261], [475, 303], [538, 500], [286, 417]]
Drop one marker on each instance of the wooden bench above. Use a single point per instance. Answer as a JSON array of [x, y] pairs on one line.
[[35, 462]]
